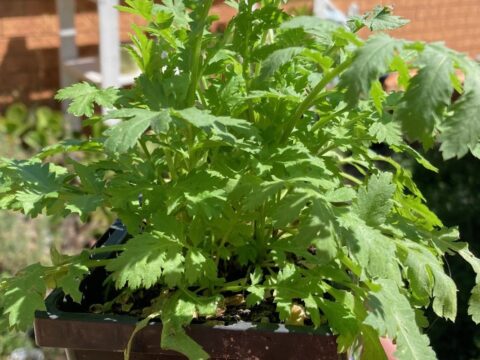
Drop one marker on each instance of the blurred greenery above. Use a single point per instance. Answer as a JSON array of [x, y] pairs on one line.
[[10, 341], [454, 195], [31, 129], [302, 10], [24, 131]]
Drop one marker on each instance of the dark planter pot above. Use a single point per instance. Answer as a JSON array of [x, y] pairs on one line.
[[100, 337]]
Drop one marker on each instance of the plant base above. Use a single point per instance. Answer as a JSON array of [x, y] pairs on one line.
[[100, 337]]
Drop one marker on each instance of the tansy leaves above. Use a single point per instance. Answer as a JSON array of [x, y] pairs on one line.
[[146, 259], [422, 106], [374, 201], [427, 278], [369, 247], [474, 304], [241, 165], [125, 135], [447, 242], [371, 61], [428, 94], [178, 311], [462, 128], [230, 131], [84, 96], [380, 18], [23, 296], [32, 185], [392, 315], [277, 59]]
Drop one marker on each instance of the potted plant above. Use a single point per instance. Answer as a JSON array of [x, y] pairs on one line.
[[255, 172]]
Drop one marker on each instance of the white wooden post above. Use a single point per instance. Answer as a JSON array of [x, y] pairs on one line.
[[68, 51], [109, 42], [325, 9], [68, 47], [319, 8]]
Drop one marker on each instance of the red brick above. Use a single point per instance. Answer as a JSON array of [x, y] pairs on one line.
[[18, 64], [42, 42], [87, 38], [3, 49], [33, 7], [5, 100], [434, 20], [41, 95], [13, 8], [86, 22], [24, 26], [17, 83], [85, 6]]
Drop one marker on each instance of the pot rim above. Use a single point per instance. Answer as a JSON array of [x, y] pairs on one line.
[[56, 297]]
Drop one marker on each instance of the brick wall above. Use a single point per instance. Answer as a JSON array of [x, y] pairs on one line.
[[454, 22], [29, 43], [29, 37], [26, 54]]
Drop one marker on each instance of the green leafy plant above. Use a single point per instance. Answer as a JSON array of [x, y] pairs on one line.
[[245, 165], [31, 128]]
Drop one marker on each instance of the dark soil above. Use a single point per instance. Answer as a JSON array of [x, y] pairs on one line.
[[101, 297]]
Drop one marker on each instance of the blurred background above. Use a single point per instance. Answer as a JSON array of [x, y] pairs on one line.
[[47, 44]]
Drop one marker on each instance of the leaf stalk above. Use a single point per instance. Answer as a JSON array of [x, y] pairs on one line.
[[310, 99], [196, 55]]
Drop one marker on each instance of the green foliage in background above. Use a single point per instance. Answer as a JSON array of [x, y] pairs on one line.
[[258, 177], [32, 129], [24, 131]]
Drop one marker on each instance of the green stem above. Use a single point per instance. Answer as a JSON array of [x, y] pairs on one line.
[[258, 65], [145, 149], [220, 45], [246, 69], [310, 99], [141, 325], [351, 178], [238, 282], [260, 233], [234, 288], [170, 164], [324, 120], [196, 55], [361, 168], [204, 83], [223, 242], [323, 151]]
